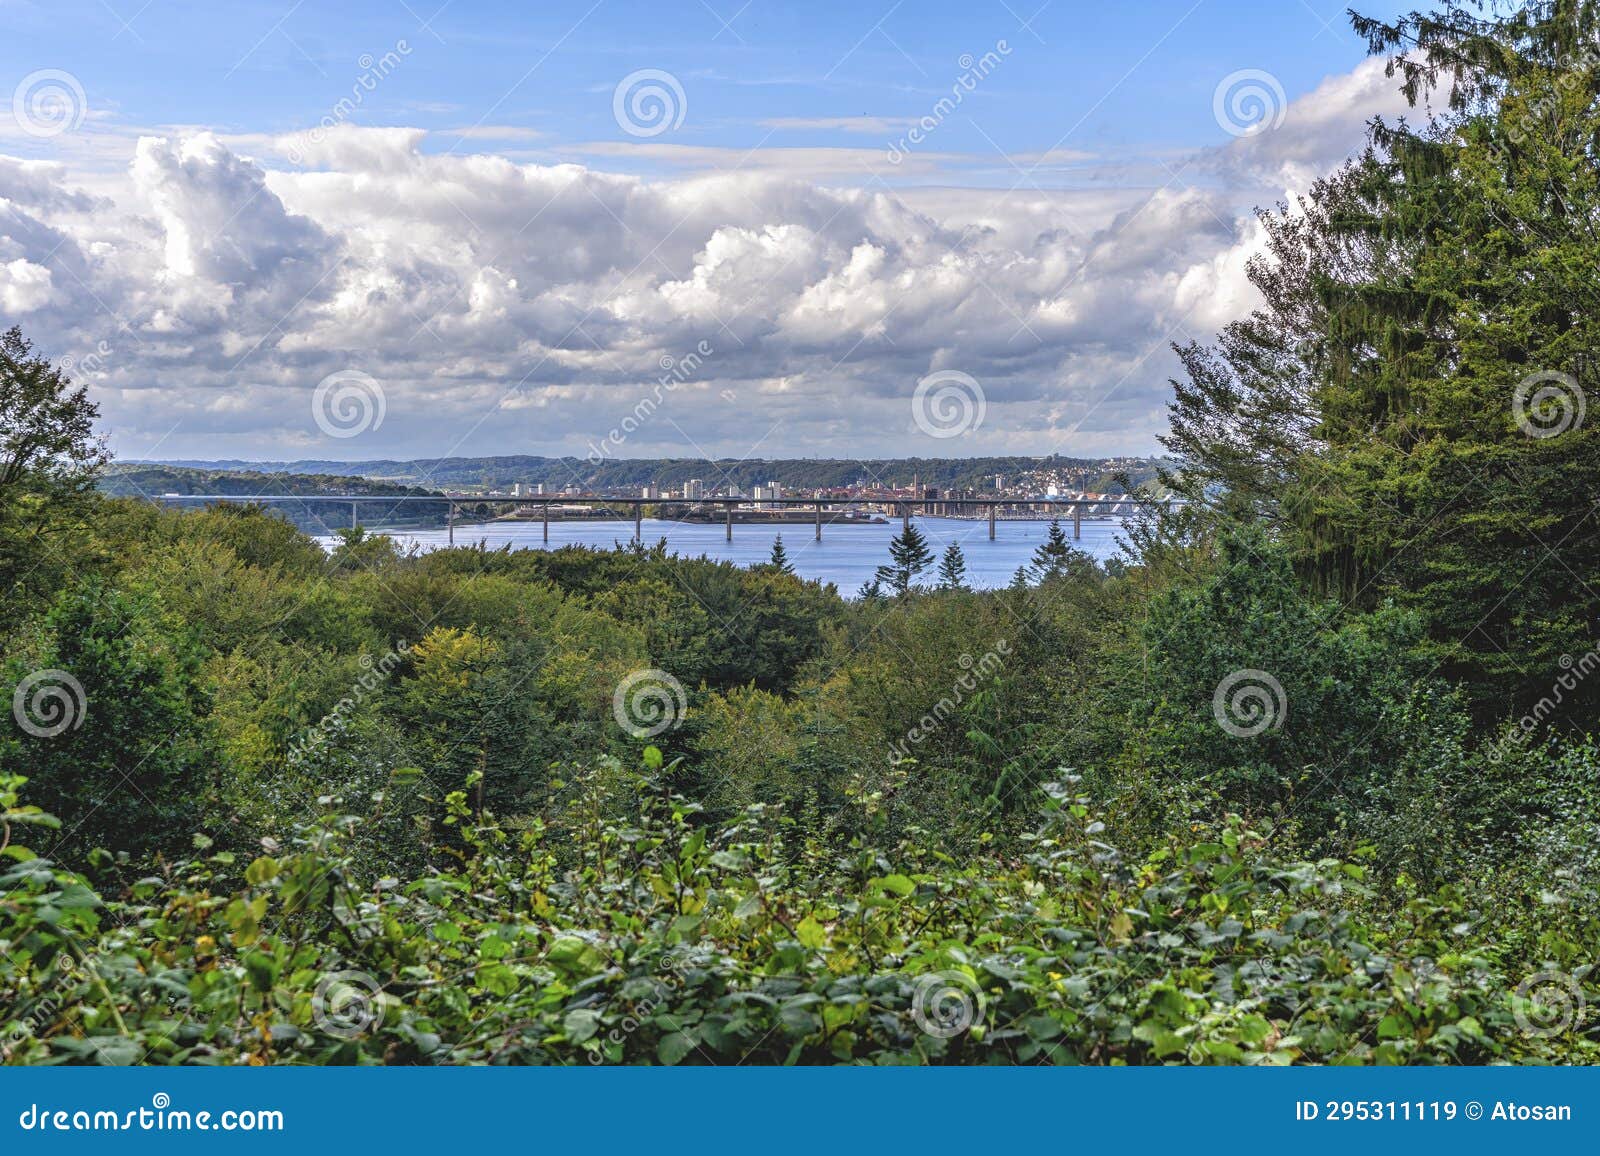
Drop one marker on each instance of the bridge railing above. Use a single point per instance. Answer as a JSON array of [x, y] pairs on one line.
[[906, 507]]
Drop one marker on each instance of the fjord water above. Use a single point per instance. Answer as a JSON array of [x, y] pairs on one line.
[[846, 556]]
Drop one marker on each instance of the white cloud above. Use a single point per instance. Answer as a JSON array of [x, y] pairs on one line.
[[24, 286], [518, 307]]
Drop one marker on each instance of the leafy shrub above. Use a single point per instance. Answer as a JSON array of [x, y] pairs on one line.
[[660, 941]]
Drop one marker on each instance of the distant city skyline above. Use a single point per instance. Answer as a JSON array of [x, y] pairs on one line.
[[633, 230]]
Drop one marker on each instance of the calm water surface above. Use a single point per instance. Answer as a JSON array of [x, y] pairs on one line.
[[846, 556]]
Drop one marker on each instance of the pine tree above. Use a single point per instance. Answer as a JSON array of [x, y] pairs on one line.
[[1019, 580], [909, 556], [871, 591], [1051, 558], [780, 557], [953, 568]]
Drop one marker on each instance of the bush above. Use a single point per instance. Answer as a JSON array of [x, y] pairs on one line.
[[661, 941]]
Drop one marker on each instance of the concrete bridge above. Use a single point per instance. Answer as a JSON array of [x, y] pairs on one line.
[[905, 508]]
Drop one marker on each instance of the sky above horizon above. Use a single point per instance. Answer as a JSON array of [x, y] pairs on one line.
[[393, 229]]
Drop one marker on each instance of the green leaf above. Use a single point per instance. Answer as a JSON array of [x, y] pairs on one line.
[[581, 1024], [262, 970], [497, 979], [674, 1046], [810, 933], [897, 884]]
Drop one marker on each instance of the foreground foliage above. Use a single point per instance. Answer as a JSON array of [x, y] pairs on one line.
[[663, 942]]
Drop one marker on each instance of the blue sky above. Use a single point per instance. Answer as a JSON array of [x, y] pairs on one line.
[[219, 226], [1117, 79]]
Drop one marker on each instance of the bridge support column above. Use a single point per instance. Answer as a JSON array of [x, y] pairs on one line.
[[905, 516], [547, 522], [1077, 521], [992, 509], [355, 519], [819, 519], [450, 521], [730, 521], [638, 522]]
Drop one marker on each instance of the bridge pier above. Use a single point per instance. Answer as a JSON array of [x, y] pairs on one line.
[[450, 521], [992, 509], [905, 516], [638, 521], [819, 519], [729, 508], [1077, 521]]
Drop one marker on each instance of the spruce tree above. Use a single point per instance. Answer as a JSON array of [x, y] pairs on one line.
[[1406, 410], [780, 557], [1051, 558], [953, 568], [909, 556]]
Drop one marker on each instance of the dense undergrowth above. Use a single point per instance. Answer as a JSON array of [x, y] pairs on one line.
[[663, 941]]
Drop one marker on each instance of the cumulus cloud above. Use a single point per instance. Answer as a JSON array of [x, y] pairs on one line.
[[518, 307]]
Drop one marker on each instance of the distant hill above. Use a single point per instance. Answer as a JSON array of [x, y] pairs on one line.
[[628, 473], [154, 481]]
